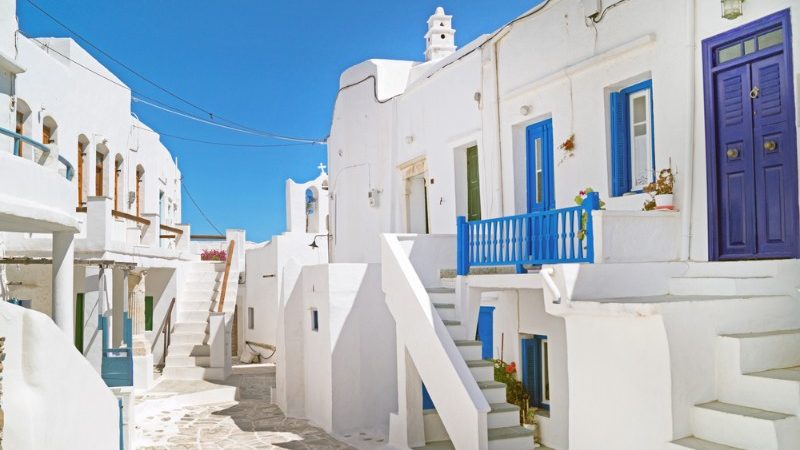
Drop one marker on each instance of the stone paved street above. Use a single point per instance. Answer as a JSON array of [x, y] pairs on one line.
[[251, 423]]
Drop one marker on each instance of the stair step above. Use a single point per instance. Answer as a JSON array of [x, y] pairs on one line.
[[700, 444], [193, 316], [188, 338], [470, 350], [767, 350], [482, 370], [786, 374], [187, 361], [740, 426], [446, 311], [494, 391], [189, 349], [503, 415], [190, 327], [746, 411], [440, 290], [437, 445], [721, 285], [510, 438]]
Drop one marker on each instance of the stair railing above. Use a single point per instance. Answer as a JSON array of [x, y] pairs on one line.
[[166, 330], [224, 288], [459, 401]]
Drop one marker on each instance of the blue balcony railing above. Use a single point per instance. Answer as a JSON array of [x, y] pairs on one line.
[[19, 139], [557, 236]]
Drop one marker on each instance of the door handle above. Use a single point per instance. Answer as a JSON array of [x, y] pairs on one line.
[[770, 145], [754, 92], [732, 153]]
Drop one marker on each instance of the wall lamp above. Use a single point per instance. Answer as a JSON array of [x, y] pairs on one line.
[[732, 9], [313, 243]]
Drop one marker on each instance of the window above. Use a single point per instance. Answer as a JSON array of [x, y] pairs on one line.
[[632, 144], [251, 318], [536, 370], [314, 319], [148, 313], [98, 173]]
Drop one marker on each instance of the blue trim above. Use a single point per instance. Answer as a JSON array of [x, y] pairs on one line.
[[121, 426], [710, 46], [548, 237], [530, 357], [541, 130], [621, 140], [485, 332], [117, 363]]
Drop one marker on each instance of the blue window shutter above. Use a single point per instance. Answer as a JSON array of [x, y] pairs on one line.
[[529, 368], [620, 153]]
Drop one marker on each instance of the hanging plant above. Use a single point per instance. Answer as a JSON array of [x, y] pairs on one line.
[[579, 199], [568, 147]]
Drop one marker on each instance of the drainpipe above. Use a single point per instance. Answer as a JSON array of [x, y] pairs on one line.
[[686, 200], [496, 64]]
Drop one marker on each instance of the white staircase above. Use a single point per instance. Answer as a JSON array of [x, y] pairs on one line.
[[758, 389], [504, 430], [188, 356]]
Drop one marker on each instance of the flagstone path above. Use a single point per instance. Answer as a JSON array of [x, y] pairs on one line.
[[251, 423]]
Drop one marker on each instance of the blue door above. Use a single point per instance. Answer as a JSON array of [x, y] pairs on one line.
[[751, 144], [485, 332], [539, 143]]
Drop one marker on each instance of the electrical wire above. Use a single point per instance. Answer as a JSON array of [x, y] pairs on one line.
[[222, 144], [596, 18], [205, 216], [234, 125]]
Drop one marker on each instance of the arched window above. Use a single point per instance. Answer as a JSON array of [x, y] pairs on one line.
[[22, 127], [139, 189], [119, 188], [49, 127], [101, 154], [312, 210], [83, 144]]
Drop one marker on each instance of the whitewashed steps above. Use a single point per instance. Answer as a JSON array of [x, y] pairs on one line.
[[507, 438], [768, 350], [695, 443], [744, 427], [188, 361], [470, 350], [190, 327], [482, 370], [725, 286], [447, 311]]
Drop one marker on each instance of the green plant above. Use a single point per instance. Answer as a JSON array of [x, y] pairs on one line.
[[579, 199], [663, 185], [516, 394]]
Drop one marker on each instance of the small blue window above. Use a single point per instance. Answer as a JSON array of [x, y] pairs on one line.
[[314, 320], [536, 370], [632, 142]]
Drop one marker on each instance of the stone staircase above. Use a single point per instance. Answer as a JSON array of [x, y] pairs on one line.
[[504, 430], [188, 356], [757, 374]]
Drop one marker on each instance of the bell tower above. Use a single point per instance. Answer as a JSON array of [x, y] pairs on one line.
[[440, 38]]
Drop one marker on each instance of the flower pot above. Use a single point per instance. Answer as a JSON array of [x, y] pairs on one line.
[[664, 201], [532, 427]]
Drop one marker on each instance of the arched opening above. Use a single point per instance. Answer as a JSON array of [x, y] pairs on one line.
[[49, 128], [22, 125], [139, 189], [312, 210], [101, 152], [83, 144], [119, 188]]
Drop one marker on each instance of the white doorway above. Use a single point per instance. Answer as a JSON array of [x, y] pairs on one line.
[[415, 204]]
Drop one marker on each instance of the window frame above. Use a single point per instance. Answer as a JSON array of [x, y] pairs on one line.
[[540, 379], [628, 184]]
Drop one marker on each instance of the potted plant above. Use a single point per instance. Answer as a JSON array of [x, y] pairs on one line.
[[661, 191], [585, 217], [529, 422]]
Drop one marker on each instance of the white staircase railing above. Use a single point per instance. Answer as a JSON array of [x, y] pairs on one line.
[[422, 336]]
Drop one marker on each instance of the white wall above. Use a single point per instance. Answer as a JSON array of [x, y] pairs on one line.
[[52, 397], [341, 377]]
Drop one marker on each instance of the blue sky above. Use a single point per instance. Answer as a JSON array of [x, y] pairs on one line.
[[265, 64]]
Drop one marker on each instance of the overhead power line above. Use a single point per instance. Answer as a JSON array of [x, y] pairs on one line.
[[234, 126], [222, 144], [202, 213]]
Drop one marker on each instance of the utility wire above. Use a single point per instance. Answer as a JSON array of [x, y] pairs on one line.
[[205, 216], [234, 125], [223, 144]]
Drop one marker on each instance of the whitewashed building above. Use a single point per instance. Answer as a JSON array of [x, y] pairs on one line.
[[675, 328], [306, 224]]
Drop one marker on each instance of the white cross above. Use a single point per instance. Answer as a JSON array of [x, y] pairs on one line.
[[321, 167]]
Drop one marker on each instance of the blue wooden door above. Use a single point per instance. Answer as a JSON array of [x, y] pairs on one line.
[[541, 183], [753, 210]]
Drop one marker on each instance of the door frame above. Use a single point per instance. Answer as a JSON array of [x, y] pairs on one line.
[[548, 169], [710, 45]]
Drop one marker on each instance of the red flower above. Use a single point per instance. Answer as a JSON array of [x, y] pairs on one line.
[[582, 192], [511, 368]]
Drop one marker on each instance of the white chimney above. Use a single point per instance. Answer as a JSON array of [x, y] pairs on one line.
[[440, 40]]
